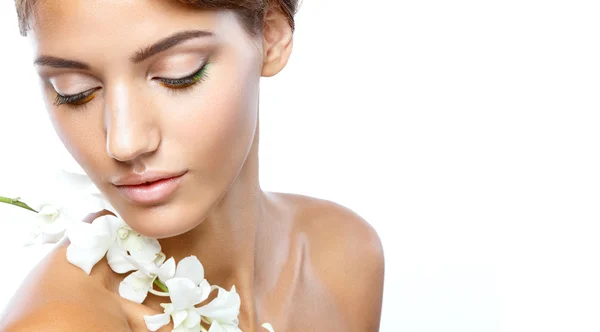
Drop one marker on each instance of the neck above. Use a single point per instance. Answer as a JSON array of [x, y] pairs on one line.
[[226, 241]]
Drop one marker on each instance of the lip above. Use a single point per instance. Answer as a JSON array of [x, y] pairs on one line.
[[149, 188]]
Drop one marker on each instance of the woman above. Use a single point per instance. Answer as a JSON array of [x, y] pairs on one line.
[[158, 102]]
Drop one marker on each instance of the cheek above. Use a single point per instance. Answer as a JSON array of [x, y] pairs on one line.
[[81, 134], [218, 130]]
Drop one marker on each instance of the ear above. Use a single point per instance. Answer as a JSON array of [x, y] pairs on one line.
[[277, 42]]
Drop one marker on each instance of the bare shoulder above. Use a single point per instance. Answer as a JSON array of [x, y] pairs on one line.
[[347, 255], [57, 296], [335, 226]]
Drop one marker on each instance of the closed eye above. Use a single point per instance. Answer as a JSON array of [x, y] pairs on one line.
[[184, 82], [84, 97], [76, 99]]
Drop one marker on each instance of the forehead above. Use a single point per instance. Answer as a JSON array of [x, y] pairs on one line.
[[78, 27]]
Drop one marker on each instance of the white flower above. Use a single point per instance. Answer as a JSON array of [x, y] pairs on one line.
[[110, 236], [59, 203], [135, 287], [52, 220], [131, 244], [190, 268], [47, 226], [224, 309], [184, 296]]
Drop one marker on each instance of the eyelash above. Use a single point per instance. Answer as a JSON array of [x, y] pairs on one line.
[[173, 84]]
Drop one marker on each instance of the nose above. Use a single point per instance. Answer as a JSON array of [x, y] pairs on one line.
[[130, 127]]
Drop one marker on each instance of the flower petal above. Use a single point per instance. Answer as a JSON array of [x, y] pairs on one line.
[[79, 208], [135, 287], [150, 269], [178, 317], [182, 292], [84, 258], [118, 261], [225, 307], [114, 223], [51, 238], [169, 309], [191, 268], [167, 270], [192, 319], [54, 226], [89, 242], [94, 235], [141, 247], [48, 210], [204, 290], [155, 322], [182, 328], [217, 327]]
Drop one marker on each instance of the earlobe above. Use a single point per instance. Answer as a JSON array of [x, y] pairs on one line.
[[277, 42]]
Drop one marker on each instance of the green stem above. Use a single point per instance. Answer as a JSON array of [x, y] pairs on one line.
[[160, 285], [16, 202]]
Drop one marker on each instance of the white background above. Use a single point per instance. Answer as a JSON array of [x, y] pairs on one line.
[[466, 132]]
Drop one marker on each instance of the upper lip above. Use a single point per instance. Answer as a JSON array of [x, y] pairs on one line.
[[151, 176]]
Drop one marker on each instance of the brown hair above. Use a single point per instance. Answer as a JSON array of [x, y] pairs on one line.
[[250, 12]]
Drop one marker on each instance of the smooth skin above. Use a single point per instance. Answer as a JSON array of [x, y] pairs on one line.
[[299, 263]]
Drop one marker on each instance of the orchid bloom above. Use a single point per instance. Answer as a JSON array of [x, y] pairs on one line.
[[108, 235], [48, 225], [190, 268], [222, 312], [136, 286], [68, 199], [224, 309], [184, 294], [131, 244], [53, 218]]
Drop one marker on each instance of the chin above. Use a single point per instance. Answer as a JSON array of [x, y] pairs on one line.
[[160, 222], [183, 211], [161, 228]]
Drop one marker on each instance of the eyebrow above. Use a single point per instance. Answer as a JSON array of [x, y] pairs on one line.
[[141, 55]]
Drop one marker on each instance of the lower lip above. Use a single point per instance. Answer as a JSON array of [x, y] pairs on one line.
[[153, 193]]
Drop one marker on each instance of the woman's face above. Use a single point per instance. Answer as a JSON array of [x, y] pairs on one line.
[[142, 90]]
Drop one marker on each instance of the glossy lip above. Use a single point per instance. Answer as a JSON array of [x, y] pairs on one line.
[[150, 188]]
